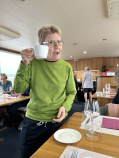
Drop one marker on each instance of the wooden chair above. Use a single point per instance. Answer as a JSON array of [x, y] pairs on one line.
[[113, 110]]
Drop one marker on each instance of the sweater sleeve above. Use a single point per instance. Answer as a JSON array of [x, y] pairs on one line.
[[70, 91], [22, 78]]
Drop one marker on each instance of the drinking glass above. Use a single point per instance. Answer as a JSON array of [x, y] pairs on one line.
[[85, 121], [107, 86], [87, 108], [1, 92], [104, 92], [94, 108]]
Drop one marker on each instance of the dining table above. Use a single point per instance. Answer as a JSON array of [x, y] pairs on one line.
[[106, 144], [8, 101], [104, 99], [11, 100]]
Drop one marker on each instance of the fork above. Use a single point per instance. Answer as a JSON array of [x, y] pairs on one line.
[[74, 154]]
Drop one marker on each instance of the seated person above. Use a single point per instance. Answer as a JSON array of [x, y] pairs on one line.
[[12, 109], [7, 89], [6, 84], [104, 71], [103, 110]]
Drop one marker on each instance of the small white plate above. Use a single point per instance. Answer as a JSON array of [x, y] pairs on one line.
[[67, 135]]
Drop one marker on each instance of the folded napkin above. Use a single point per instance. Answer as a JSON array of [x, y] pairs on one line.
[[112, 96], [113, 92], [81, 153], [110, 123]]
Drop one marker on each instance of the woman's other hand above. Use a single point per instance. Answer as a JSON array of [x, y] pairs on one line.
[[61, 114]]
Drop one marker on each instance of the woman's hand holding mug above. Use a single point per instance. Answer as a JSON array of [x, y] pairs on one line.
[[27, 56]]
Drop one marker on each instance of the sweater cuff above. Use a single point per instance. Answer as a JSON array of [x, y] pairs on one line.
[[23, 66]]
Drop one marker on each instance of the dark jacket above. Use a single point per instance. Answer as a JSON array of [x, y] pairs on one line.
[[116, 98]]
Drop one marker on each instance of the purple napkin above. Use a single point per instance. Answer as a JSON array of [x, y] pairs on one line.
[[112, 96], [110, 123]]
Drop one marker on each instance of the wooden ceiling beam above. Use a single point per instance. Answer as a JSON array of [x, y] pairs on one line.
[[9, 50]]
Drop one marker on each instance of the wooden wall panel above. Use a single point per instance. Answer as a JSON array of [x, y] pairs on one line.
[[118, 60], [111, 63], [92, 64], [80, 74], [101, 82], [81, 64], [99, 63], [73, 64], [95, 64]]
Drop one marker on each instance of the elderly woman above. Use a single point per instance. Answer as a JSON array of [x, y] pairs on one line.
[[6, 84], [52, 90]]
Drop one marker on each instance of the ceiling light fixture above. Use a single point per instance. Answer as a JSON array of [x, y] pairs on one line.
[[75, 59], [6, 35], [21, 0], [75, 44], [113, 9], [84, 52]]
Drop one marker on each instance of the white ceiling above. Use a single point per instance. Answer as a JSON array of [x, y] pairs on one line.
[[82, 21]]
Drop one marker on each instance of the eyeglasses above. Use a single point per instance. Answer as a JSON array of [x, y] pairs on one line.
[[54, 43], [3, 78]]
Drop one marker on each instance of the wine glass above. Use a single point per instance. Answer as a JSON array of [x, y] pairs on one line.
[[86, 116], [87, 108], [94, 113]]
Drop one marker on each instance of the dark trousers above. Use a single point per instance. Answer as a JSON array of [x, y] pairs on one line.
[[12, 111], [34, 134]]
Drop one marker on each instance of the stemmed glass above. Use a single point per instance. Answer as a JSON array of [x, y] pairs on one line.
[[93, 111], [87, 109], [86, 116]]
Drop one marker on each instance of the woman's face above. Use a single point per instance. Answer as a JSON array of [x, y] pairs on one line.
[[54, 50], [3, 80]]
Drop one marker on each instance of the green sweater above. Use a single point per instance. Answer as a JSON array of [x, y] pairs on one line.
[[51, 86]]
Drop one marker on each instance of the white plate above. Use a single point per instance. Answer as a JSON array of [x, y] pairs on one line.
[[67, 135]]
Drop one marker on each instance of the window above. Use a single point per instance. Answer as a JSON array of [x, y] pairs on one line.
[[9, 63]]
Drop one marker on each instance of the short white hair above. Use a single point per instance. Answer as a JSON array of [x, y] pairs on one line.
[[87, 68]]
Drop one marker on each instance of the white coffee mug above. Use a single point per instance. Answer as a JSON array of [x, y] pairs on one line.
[[40, 51]]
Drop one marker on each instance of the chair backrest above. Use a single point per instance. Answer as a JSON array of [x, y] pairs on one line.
[[113, 110], [22, 111]]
